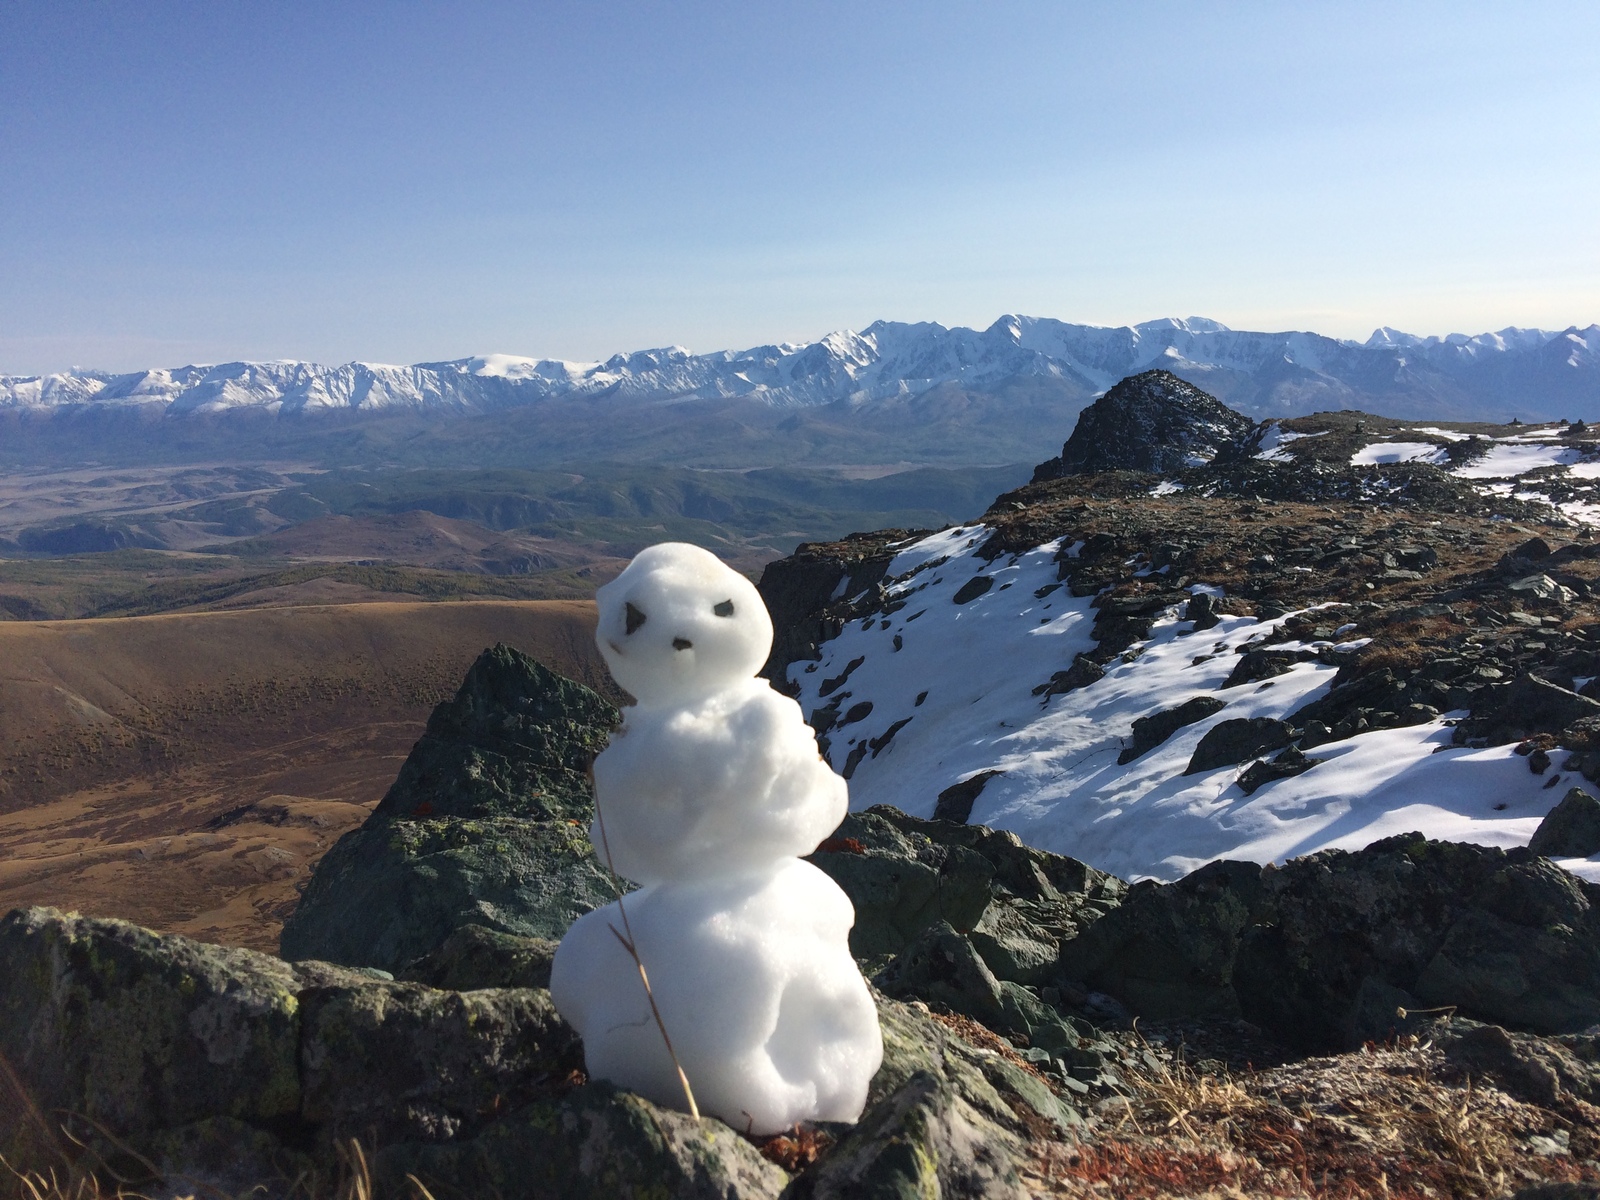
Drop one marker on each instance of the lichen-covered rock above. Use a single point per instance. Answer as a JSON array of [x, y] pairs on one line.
[[475, 956], [594, 1143], [944, 1118], [1169, 950], [1303, 949], [904, 874], [140, 1032], [224, 1066], [1544, 1071], [484, 826], [223, 1156], [1019, 939], [995, 1087], [925, 1140], [941, 967], [392, 891], [396, 1061], [515, 741]]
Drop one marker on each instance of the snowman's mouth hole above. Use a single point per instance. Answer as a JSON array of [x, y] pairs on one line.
[[679, 643]]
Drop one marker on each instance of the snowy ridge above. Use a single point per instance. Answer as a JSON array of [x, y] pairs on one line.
[[887, 360], [937, 692]]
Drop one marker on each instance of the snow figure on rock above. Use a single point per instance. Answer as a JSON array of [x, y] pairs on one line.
[[706, 797]]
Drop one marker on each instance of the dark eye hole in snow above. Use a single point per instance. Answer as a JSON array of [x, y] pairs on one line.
[[679, 643], [635, 618], [725, 609]]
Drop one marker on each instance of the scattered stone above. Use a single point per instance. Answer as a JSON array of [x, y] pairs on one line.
[[956, 801], [1285, 766], [969, 591], [1200, 610], [1082, 673], [1529, 705], [1542, 587], [1256, 665], [1230, 742], [1149, 732], [1571, 829]]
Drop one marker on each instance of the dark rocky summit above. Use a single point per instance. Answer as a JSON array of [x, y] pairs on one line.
[[1149, 422]]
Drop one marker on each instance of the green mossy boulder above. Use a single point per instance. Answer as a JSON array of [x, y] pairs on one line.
[[904, 874], [515, 741], [485, 825], [393, 891], [594, 1143], [944, 1118], [478, 957], [218, 1063], [140, 1032], [400, 1061]]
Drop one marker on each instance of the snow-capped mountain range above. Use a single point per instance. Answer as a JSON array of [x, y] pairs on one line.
[[1529, 372]]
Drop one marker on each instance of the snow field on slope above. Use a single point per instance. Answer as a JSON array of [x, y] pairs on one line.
[[1062, 789], [1508, 459], [1396, 452], [1270, 448]]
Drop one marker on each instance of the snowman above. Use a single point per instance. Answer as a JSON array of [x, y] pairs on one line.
[[706, 797]]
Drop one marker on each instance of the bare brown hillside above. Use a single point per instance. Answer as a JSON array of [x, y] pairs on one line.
[[185, 770]]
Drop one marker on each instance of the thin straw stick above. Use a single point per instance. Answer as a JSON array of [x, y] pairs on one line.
[[633, 952]]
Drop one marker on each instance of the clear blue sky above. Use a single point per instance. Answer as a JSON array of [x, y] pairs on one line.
[[402, 181]]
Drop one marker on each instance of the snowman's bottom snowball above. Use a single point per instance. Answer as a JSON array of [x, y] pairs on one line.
[[766, 1009]]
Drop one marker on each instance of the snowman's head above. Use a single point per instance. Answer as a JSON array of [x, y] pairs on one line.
[[677, 624]]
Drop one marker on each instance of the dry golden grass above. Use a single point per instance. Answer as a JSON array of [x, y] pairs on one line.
[[48, 1159], [353, 1182], [1386, 1122]]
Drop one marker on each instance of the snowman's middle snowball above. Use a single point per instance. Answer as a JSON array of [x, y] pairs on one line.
[[725, 784]]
